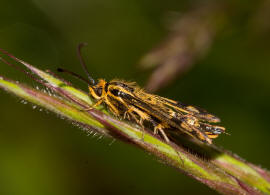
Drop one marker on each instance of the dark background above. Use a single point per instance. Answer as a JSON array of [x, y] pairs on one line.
[[41, 154]]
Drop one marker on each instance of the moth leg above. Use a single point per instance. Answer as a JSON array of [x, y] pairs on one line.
[[143, 130], [129, 113], [112, 108], [97, 103], [159, 128], [93, 106], [142, 117]]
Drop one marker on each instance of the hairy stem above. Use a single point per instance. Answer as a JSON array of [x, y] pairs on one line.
[[216, 168]]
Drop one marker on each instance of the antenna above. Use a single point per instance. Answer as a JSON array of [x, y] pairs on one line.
[[74, 75], [92, 81]]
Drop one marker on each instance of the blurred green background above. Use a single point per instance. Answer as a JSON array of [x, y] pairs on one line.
[[42, 154]]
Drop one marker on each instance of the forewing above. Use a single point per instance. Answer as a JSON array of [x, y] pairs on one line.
[[158, 112], [191, 119], [189, 109]]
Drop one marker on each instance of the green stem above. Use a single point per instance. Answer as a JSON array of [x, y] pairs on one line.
[[216, 168]]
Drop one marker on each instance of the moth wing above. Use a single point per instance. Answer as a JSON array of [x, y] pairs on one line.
[[192, 119], [189, 109], [158, 112], [151, 110]]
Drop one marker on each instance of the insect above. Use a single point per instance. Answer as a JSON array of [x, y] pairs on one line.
[[128, 101]]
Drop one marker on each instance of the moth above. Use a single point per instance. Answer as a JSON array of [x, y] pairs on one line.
[[128, 101]]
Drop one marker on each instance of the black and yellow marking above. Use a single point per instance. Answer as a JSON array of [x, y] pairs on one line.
[[128, 101]]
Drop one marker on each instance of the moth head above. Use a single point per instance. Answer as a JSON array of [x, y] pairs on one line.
[[97, 91]]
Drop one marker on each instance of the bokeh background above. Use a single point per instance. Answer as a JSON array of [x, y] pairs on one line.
[[42, 154]]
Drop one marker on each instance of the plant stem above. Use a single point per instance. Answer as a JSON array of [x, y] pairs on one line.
[[215, 167]]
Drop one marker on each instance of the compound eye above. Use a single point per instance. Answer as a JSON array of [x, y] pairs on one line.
[[99, 91]]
